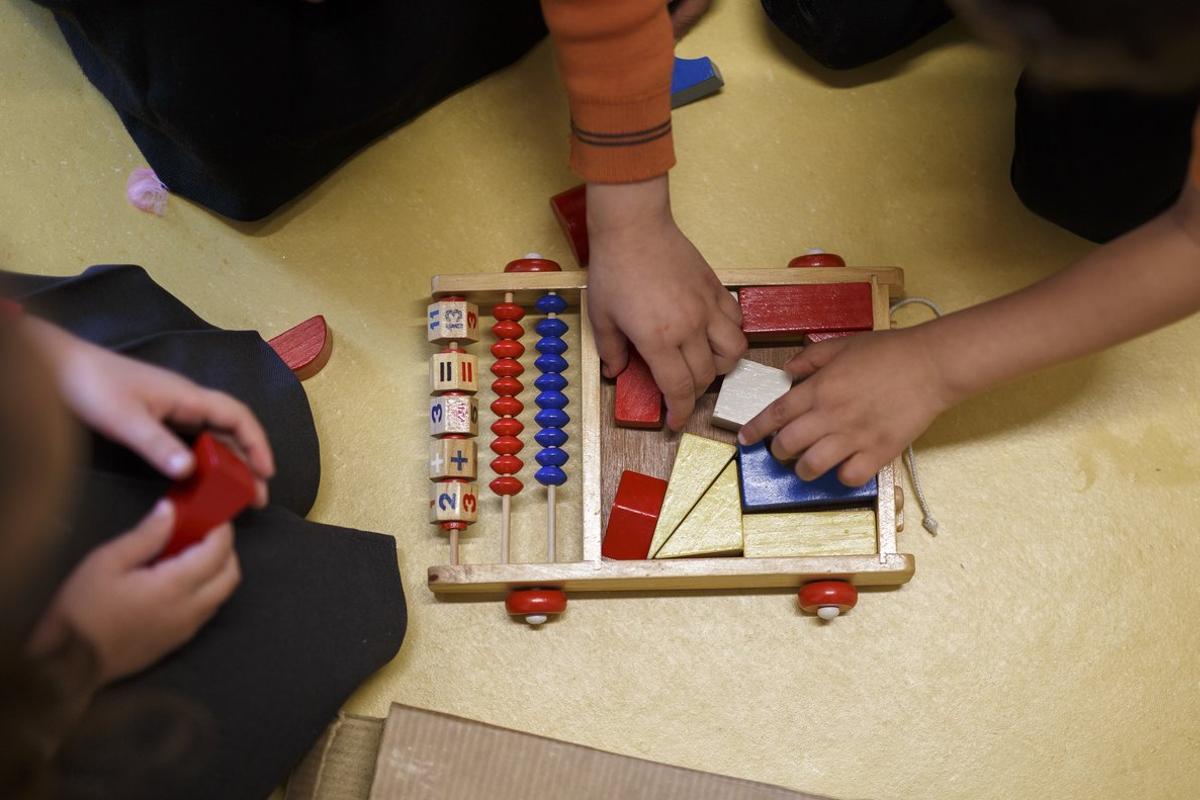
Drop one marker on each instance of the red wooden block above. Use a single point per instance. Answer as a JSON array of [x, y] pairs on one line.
[[570, 207], [634, 514], [779, 312], [305, 348], [638, 402], [817, 260], [824, 336], [218, 490]]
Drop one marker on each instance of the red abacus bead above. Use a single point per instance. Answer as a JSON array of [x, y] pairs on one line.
[[507, 387], [507, 368], [507, 426], [507, 407], [536, 601], [508, 348], [506, 485], [454, 526], [507, 329], [507, 445], [817, 260], [507, 311], [815, 595], [506, 465]]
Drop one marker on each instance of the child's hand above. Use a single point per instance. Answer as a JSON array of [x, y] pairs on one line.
[[863, 400], [650, 284], [131, 403], [134, 612]]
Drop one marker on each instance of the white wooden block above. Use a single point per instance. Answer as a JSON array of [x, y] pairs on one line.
[[452, 321], [453, 413], [746, 390], [455, 371], [454, 501]]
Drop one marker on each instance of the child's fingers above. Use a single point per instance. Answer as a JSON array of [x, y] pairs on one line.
[[674, 379], [812, 358], [209, 597], [699, 358], [729, 306], [822, 456], [859, 468], [775, 416], [196, 565], [146, 539], [153, 441], [727, 342], [611, 346], [226, 413]]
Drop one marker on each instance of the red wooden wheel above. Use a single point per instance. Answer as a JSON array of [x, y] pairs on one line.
[[817, 260], [535, 605], [532, 265], [827, 599]]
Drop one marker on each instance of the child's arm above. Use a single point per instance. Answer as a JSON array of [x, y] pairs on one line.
[[648, 283], [133, 403], [866, 397]]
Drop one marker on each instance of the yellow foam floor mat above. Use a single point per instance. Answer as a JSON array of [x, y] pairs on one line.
[[1048, 643]]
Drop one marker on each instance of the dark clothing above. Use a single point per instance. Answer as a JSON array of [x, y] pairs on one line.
[[241, 105], [318, 610], [1098, 163]]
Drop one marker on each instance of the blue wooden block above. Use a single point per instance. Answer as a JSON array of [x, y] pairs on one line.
[[771, 485], [693, 79]]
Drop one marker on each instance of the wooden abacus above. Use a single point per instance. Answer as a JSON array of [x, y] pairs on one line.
[[536, 590]]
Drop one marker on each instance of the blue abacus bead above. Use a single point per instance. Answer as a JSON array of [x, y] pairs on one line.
[[551, 304], [550, 476], [550, 382], [550, 437], [551, 418], [551, 400], [550, 362], [551, 326], [551, 457], [551, 344]]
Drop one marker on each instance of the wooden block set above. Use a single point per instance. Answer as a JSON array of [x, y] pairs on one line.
[[659, 511]]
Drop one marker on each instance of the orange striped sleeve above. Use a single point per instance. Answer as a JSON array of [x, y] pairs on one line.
[[615, 59]]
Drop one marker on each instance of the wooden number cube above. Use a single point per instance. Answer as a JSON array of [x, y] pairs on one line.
[[453, 501], [455, 371], [452, 458], [453, 413], [452, 321]]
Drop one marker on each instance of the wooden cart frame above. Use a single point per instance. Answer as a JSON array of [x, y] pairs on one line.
[[887, 567]]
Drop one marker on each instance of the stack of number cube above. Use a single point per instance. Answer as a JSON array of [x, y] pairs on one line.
[[452, 323]]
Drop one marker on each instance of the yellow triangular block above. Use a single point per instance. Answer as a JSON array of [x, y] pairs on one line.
[[698, 462], [714, 526]]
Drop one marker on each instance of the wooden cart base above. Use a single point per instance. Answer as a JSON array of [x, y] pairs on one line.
[[669, 575]]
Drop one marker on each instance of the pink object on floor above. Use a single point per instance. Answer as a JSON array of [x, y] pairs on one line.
[[146, 192]]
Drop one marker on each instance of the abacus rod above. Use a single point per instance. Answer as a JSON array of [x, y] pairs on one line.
[[454, 547], [505, 517], [551, 502]]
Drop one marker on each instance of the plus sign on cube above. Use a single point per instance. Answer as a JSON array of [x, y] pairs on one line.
[[452, 321], [451, 458]]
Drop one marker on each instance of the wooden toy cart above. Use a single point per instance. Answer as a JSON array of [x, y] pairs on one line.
[[535, 590]]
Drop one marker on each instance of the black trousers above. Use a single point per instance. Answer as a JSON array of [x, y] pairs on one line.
[[1098, 163], [241, 105], [318, 610]]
